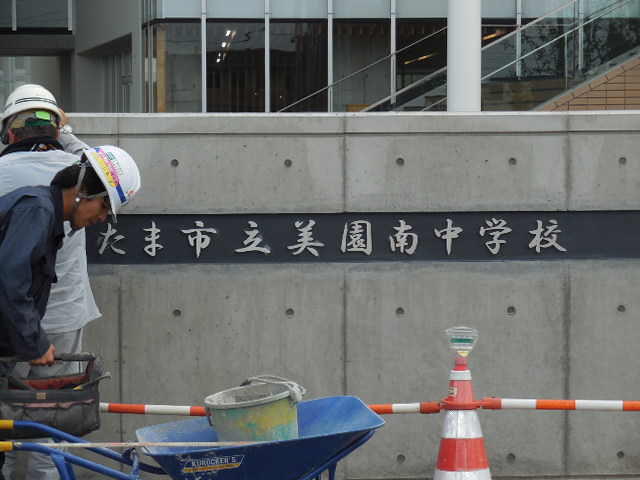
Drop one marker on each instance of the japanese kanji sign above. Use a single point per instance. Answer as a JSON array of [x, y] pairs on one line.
[[365, 237]]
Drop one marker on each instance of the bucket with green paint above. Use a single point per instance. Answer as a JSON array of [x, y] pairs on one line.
[[263, 408]]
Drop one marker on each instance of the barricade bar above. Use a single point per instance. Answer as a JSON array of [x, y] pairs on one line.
[[544, 404], [191, 411], [488, 403]]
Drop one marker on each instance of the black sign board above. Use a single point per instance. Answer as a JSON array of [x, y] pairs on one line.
[[365, 237]]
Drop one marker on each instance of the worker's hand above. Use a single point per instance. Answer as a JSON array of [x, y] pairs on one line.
[[63, 114], [47, 359]]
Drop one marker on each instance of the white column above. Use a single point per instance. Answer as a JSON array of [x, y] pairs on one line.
[[203, 54], [463, 56]]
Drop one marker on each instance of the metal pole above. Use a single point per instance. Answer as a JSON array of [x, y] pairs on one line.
[[203, 54], [518, 38], [70, 15], [149, 56], [14, 15], [330, 55], [580, 37], [394, 47], [267, 59], [463, 56]]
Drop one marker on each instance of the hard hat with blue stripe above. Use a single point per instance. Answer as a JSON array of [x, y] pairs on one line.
[[117, 171]]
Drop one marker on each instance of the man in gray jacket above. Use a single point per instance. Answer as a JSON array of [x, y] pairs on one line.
[[32, 232]]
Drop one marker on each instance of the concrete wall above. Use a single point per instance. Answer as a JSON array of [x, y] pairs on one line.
[[173, 334]]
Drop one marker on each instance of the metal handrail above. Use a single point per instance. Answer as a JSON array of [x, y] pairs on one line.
[[501, 39], [597, 15], [360, 71]]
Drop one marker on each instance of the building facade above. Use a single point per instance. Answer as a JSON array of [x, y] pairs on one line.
[[305, 56]]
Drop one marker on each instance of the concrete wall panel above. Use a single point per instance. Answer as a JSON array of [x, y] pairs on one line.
[[604, 330], [548, 329], [225, 324], [240, 174], [604, 171], [425, 172], [402, 356]]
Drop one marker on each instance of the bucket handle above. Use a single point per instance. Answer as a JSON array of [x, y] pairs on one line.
[[296, 391]]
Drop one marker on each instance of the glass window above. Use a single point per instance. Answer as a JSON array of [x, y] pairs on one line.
[[16, 71], [116, 72], [357, 45], [537, 8], [42, 13], [181, 9], [422, 9], [5, 14], [362, 9], [298, 9], [499, 9], [422, 50], [243, 9], [235, 67], [175, 68], [298, 65]]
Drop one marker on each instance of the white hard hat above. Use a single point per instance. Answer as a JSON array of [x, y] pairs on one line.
[[28, 97], [118, 172]]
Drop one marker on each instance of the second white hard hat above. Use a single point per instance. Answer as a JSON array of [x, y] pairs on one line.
[[118, 172], [28, 97]]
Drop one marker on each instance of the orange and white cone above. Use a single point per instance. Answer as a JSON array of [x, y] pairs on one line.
[[462, 454]]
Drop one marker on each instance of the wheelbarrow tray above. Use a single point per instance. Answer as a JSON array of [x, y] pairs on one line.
[[328, 428]]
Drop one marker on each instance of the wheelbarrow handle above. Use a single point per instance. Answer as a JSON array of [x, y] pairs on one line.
[[75, 357], [59, 357]]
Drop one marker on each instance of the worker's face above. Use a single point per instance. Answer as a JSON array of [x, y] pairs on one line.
[[90, 211]]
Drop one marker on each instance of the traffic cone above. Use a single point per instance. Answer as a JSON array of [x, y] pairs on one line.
[[462, 454]]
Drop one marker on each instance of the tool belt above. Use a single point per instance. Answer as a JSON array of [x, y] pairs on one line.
[[69, 403]]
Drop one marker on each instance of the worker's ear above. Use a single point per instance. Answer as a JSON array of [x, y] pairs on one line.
[[12, 136]]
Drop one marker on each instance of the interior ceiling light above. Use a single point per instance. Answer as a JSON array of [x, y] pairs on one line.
[[419, 59], [497, 33], [224, 44]]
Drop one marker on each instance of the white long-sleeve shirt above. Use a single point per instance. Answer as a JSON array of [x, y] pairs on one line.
[[71, 304]]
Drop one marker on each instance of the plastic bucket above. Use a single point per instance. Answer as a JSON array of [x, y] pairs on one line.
[[255, 412]]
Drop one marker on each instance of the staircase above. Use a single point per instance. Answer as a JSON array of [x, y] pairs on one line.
[[576, 47]]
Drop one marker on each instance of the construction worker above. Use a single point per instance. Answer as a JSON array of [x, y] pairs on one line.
[[31, 124], [32, 231]]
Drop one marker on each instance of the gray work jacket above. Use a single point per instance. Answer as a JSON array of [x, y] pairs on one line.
[[31, 232]]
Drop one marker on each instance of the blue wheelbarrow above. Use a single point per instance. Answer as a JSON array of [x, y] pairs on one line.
[[329, 429]]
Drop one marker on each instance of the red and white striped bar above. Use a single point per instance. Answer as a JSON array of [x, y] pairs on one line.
[[153, 409], [391, 408], [542, 404], [185, 410]]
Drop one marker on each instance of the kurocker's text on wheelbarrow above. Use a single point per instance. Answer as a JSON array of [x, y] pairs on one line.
[[212, 463]]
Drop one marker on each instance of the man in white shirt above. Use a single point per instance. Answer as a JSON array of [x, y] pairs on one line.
[[31, 127]]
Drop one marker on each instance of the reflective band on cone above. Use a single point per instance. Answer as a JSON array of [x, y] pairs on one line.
[[462, 454]]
